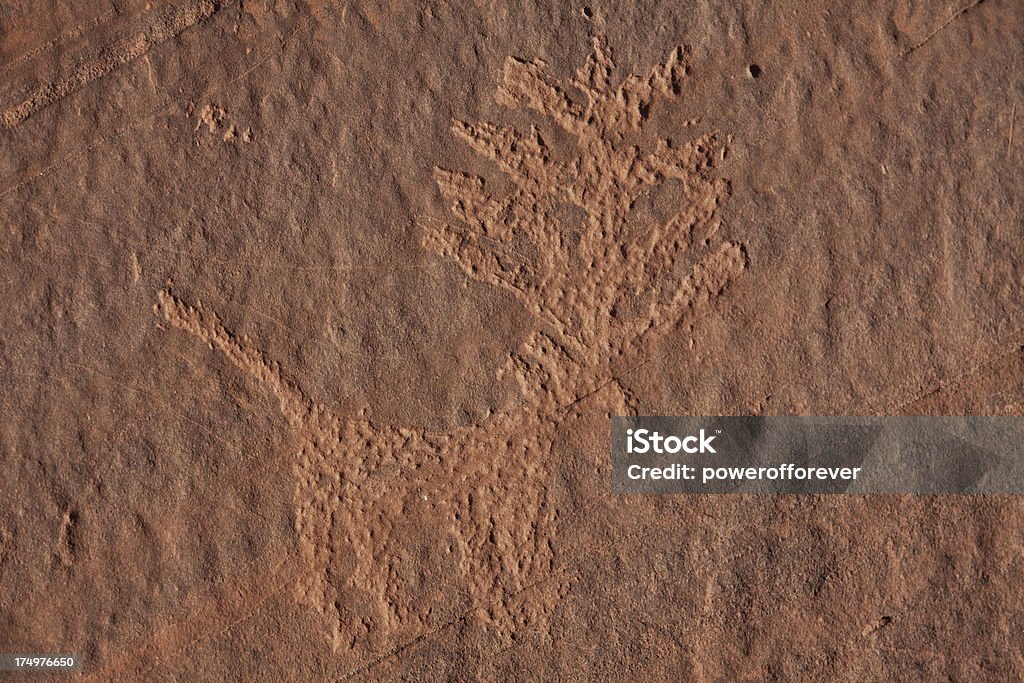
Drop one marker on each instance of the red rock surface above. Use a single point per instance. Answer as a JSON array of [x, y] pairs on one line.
[[315, 314]]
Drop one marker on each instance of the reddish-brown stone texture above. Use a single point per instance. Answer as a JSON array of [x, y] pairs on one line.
[[315, 314]]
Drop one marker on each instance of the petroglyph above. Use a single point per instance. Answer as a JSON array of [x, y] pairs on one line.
[[167, 25], [621, 282], [358, 484], [214, 121], [387, 516]]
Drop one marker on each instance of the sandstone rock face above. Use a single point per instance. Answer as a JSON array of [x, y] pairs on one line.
[[317, 314]]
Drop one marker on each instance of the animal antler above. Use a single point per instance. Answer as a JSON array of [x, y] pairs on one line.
[[521, 241]]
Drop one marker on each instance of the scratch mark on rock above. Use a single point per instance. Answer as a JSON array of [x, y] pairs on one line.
[[214, 618], [1009, 138], [956, 15], [71, 34]]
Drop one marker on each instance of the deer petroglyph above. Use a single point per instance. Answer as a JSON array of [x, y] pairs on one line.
[[601, 290]]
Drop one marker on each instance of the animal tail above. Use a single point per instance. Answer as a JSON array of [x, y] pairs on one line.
[[207, 327]]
